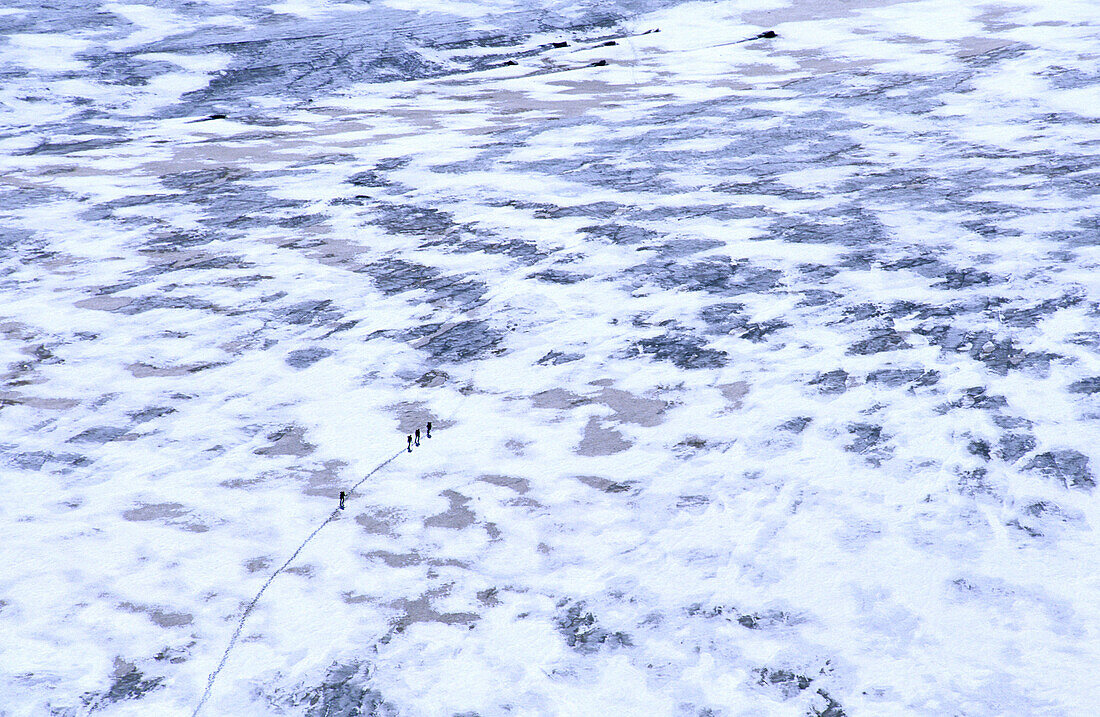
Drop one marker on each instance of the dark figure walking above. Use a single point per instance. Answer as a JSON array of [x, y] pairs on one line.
[[410, 444], [429, 429], [341, 500], [416, 441]]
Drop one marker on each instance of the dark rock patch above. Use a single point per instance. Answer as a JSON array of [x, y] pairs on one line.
[[1014, 446], [1069, 467], [682, 350], [99, 434], [462, 342], [304, 358], [831, 383], [1086, 385], [759, 332], [286, 442], [885, 339], [582, 633], [894, 377], [457, 517], [556, 358], [343, 693], [796, 425], [151, 413], [788, 683]]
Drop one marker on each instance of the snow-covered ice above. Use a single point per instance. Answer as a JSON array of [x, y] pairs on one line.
[[764, 372]]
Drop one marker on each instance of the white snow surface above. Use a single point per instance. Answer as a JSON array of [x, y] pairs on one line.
[[764, 376]]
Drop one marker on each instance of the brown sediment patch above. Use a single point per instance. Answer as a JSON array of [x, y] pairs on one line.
[[288, 442], [519, 485], [416, 414], [324, 481], [456, 517], [820, 10], [103, 303], [558, 398], [49, 404], [155, 511], [421, 610], [173, 514], [603, 484], [255, 565], [600, 441], [395, 560], [379, 521], [629, 408], [734, 392], [144, 370], [161, 617]]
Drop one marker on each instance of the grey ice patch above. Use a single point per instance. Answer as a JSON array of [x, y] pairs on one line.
[[287, 442], [457, 517], [304, 358], [600, 441], [1069, 467]]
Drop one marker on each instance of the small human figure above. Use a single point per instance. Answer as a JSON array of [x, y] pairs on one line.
[[410, 444], [429, 429], [341, 500], [416, 442]]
